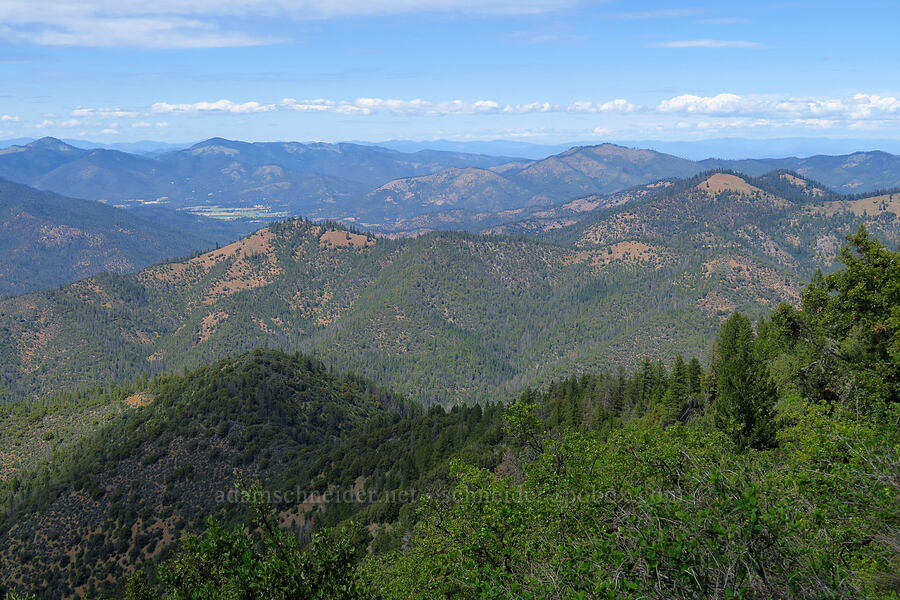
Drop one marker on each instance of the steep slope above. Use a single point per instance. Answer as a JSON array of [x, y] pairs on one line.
[[24, 163], [48, 240], [171, 451], [449, 317]]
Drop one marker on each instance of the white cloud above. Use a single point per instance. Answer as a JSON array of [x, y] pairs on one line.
[[194, 24], [141, 125], [103, 113], [618, 105], [46, 123], [707, 43], [414, 107], [110, 131], [9, 118], [72, 123], [225, 106], [859, 106], [719, 104]]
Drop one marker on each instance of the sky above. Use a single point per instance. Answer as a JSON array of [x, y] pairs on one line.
[[542, 71]]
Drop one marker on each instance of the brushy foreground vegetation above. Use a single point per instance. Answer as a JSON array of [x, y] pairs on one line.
[[774, 474]]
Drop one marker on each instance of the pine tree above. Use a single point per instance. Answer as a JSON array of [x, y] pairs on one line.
[[678, 390], [745, 395], [695, 372]]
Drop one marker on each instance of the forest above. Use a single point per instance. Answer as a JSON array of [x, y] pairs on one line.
[[771, 473]]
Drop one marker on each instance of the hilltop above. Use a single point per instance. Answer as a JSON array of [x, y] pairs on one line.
[[171, 450]]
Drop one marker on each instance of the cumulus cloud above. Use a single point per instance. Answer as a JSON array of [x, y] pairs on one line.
[[9, 118], [619, 105], [859, 106], [222, 106], [719, 104]]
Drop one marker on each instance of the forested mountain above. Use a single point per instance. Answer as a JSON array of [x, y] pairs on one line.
[[183, 442], [48, 240], [223, 177], [772, 473], [451, 317], [576, 172], [860, 172], [381, 189]]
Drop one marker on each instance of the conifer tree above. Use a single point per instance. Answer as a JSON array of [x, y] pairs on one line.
[[745, 395]]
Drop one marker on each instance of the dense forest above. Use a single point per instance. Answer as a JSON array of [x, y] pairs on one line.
[[450, 317], [773, 472]]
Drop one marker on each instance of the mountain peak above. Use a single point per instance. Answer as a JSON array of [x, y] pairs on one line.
[[52, 143], [727, 182]]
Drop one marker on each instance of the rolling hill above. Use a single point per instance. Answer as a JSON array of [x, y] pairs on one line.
[[451, 317], [47, 240]]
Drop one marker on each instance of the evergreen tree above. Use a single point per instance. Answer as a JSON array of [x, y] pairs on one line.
[[745, 395], [678, 390], [695, 372]]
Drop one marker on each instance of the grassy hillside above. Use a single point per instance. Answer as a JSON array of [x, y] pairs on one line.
[[450, 317]]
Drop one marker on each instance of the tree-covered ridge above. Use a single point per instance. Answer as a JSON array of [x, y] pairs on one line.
[[771, 474], [125, 493], [445, 317], [748, 499]]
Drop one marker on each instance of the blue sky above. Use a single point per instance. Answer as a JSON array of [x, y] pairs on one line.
[[544, 71]]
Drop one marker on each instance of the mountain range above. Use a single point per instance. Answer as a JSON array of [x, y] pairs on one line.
[[453, 317], [382, 189]]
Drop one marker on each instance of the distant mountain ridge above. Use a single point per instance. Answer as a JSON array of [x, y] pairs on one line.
[[270, 179], [48, 240], [379, 188]]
